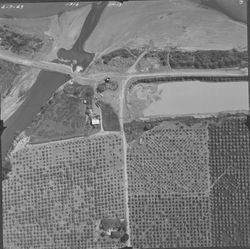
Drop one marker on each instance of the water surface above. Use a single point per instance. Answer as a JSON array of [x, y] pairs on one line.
[[77, 52], [46, 84], [183, 98], [232, 8]]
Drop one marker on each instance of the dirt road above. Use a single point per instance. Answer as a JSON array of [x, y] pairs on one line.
[[125, 78]]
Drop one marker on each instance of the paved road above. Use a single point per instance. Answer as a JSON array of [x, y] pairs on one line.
[[51, 66], [46, 65]]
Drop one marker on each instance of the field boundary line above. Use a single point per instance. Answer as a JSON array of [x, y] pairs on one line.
[[99, 134]]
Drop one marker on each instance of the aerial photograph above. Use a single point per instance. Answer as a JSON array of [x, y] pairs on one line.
[[125, 124]]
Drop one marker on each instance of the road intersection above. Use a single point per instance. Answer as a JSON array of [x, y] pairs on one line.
[[125, 78]]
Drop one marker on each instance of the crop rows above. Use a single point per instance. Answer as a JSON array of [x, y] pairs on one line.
[[170, 158], [168, 177], [170, 205], [57, 192], [168, 221], [229, 145]]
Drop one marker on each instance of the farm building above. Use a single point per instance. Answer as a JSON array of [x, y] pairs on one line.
[[95, 119]]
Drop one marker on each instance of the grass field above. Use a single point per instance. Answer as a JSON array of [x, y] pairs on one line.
[[57, 192], [64, 116], [169, 24], [110, 119]]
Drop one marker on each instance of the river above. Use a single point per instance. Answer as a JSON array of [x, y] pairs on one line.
[[77, 52], [232, 8], [48, 82]]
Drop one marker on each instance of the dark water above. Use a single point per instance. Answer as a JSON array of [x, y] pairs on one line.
[[47, 82], [235, 10], [45, 85], [77, 52], [232, 8], [35, 10]]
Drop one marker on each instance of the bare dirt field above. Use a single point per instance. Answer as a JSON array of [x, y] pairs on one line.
[[57, 192], [112, 98], [152, 63], [166, 24], [138, 99]]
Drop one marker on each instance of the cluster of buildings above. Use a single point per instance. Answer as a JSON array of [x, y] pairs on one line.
[[114, 228], [95, 119]]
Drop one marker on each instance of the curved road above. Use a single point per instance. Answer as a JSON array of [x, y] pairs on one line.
[[54, 78]]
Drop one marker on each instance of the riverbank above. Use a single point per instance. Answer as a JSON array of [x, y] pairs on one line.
[[46, 84], [231, 8], [76, 54]]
